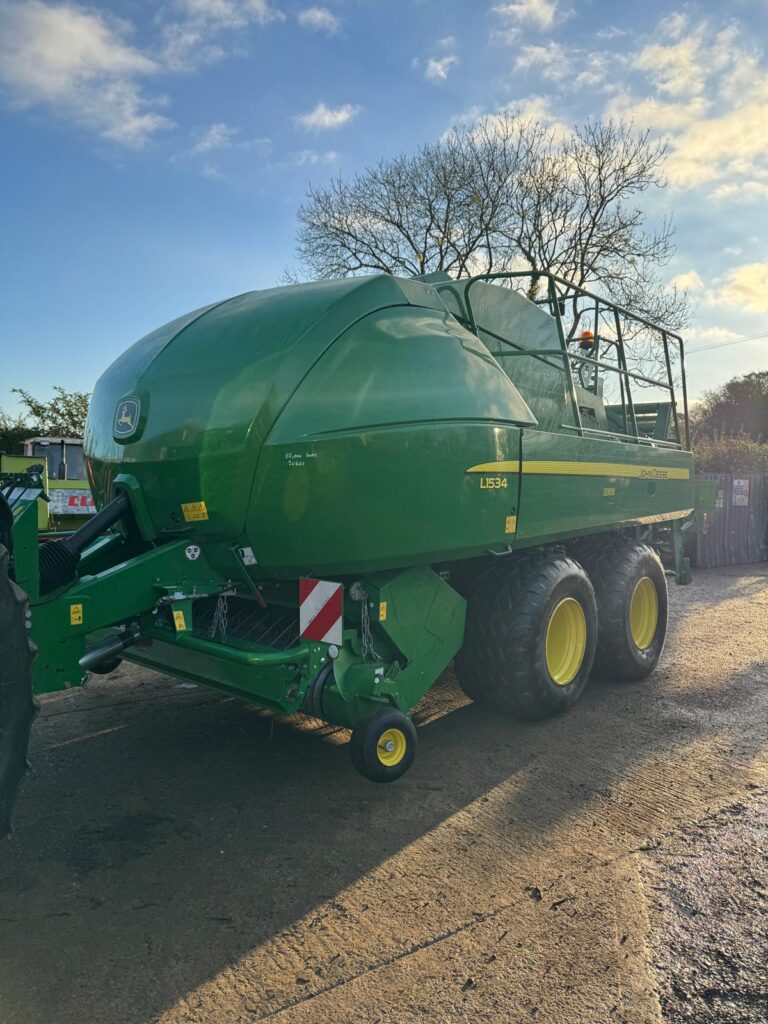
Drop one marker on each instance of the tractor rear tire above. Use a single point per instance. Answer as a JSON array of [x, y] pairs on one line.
[[530, 636], [17, 706], [632, 604]]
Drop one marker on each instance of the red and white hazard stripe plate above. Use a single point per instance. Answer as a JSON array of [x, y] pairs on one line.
[[321, 610]]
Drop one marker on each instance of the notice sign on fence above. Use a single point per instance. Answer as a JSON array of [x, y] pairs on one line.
[[736, 527], [740, 495]]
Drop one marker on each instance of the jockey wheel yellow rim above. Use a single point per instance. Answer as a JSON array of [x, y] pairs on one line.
[[643, 613], [566, 641], [391, 747]]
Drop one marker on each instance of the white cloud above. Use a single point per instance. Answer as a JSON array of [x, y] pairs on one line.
[[611, 32], [677, 69], [311, 158], [745, 287], [212, 143], [187, 45], [689, 281], [438, 68], [532, 108], [229, 13], [193, 30], [324, 117], [217, 136], [710, 334], [320, 19], [710, 93], [538, 108], [733, 145], [540, 14], [656, 113], [78, 63], [746, 191], [550, 60], [567, 65], [210, 170], [673, 25]]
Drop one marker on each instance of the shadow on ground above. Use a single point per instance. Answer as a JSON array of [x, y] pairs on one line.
[[167, 832]]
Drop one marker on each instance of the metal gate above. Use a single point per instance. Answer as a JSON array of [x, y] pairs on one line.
[[736, 531]]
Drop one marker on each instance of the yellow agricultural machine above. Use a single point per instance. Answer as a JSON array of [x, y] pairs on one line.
[[68, 500]]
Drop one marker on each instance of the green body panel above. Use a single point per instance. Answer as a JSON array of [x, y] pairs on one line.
[[129, 588], [343, 485], [555, 504], [25, 540], [417, 624], [273, 682], [382, 498], [210, 390]]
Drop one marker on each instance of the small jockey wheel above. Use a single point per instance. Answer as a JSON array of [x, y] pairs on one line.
[[383, 744]]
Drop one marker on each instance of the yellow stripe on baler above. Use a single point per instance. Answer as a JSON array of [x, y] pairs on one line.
[[555, 468]]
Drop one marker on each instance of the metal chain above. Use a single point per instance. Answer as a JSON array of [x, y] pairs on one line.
[[219, 620], [366, 636]]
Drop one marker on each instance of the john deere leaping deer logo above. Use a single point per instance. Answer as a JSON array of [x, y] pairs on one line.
[[126, 418]]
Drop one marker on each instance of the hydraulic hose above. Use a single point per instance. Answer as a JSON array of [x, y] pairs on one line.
[[59, 558]]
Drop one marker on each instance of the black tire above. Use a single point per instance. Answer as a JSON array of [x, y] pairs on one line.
[[17, 706], [616, 567], [503, 662], [368, 753]]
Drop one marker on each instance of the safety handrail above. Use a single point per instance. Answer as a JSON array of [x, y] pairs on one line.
[[556, 303]]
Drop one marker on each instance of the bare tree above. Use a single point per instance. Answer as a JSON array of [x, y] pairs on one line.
[[505, 194], [446, 207]]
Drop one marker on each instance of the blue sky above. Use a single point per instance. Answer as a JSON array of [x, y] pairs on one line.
[[154, 156]]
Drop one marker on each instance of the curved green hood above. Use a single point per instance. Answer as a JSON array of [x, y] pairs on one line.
[[188, 411]]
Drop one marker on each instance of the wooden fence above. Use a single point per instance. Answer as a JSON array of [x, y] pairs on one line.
[[737, 530]]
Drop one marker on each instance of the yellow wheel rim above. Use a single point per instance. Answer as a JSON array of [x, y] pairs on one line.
[[643, 613], [566, 641], [391, 747]]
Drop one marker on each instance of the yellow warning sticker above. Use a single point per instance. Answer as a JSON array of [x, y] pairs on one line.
[[382, 611], [75, 615], [511, 524], [179, 621], [194, 511]]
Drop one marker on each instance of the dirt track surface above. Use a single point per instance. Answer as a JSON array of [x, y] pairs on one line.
[[181, 858]]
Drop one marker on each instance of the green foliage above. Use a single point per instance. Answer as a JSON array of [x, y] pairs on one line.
[[61, 416], [740, 454], [13, 431], [738, 407]]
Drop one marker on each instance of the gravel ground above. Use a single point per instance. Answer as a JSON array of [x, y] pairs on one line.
[[182, 858], [708, 884]]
